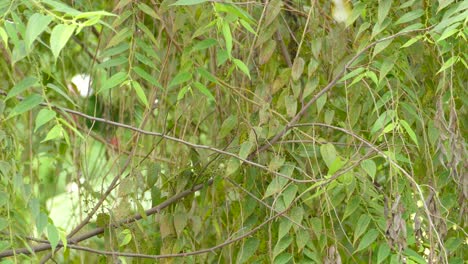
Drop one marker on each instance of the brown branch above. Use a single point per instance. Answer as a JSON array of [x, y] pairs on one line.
[[100, 230]]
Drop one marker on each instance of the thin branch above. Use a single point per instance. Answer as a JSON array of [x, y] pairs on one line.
[[100, 230], [394, 163], [327, 88]]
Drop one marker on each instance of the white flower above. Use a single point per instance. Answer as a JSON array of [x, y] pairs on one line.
[[82, 83]]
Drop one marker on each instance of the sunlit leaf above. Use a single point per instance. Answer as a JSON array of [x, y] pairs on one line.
[[140, 93], [44, 116], [59, 37], [240, 64], [37, 23], [113, 81], [53, 236], [328, 153], [410, 131], [226, 30]]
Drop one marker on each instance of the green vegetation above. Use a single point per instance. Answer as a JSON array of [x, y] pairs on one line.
[[247, 132]]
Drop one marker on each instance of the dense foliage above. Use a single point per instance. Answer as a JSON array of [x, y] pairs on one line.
[[261, 132]]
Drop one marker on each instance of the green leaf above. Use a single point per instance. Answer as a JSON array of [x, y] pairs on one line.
[[44, 116], [284, 227], [181, 77], [266, 51], [148, 10], [369, 167], [453, 243], [384, 7], [60, 92], [382, 254], [36, 25], [410, 131], [368, 239], [140, 93], [410, 16], [4, 37], [61, 7], [411, 41], [321, 101], [227, 37], [382, 121], [328, 153], [3, 246], [182, 92], [59, 37], [291, 105], [4, 198], [272, 11], [283, 258], [247, 26], [202, 88], [358, 9], [53, 236], [351, 206], [3, 223], [352, 74], [289, 194], [361, 226], [240, 64], [302, 238], [232, 166], [245, 149], [390, 127], [125, 237], [204, 44], [206, 74], [27, 104], [21, 86], [275, 186], [413, 255], [282, 245], [188, 2], [381, 46], [227, 126], [113, 81], [146, 76], [248, 249], [180, 222], [448, 63], [55, 132], [119, 37], [297, 68]]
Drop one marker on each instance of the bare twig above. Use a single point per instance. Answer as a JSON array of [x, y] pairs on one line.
[[100, 230]]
